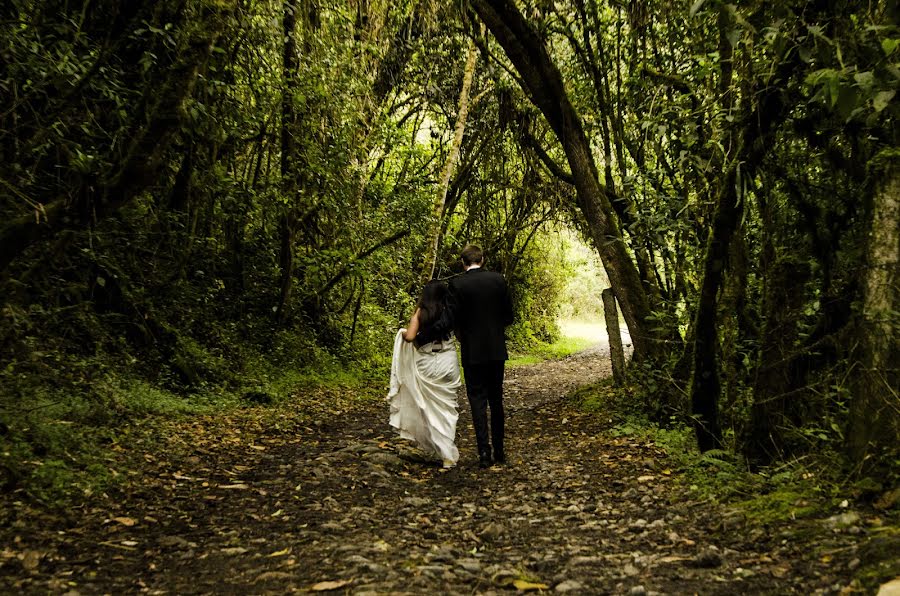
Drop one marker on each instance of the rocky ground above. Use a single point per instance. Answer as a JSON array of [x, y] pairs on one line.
[[344, 506]]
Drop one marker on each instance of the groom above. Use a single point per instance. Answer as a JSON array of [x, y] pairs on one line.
[[482, 310]]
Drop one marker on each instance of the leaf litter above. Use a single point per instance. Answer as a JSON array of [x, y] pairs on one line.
[[298, 499]]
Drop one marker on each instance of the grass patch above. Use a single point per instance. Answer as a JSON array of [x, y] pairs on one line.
[[561, 348]]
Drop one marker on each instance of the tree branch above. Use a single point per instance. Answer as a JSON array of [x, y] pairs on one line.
[[345, 270]]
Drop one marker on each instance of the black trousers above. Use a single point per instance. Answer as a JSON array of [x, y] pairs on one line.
[[484, 387]]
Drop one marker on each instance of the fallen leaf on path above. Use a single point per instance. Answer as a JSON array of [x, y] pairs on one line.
[[234, 486], [780, 571], [281, 553], [674, 559], [121, 546], [125, 521], [31, 559], [526, 586], [330, 585], [381, 546]]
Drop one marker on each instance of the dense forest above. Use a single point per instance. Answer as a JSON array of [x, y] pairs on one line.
[[199, 196]]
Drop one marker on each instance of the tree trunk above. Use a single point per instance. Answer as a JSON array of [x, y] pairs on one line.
[[452, 156], [544, 84], [289, 66], [776, 375], [875, 406], [749, 143], [705, 387], [616, 351]]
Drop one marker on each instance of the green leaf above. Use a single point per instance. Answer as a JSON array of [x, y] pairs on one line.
[[695, 7], [864, 79], [889, 45], [882, 99], [833, 89]]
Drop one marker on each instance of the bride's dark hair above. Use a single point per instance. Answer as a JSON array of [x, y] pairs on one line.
[[432, 303]]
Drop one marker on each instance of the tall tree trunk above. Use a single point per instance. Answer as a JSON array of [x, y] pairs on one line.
[[616, 351], [705, 384], [544, 84], [452, 156], [875, 409], [777, 376], [289, 66]]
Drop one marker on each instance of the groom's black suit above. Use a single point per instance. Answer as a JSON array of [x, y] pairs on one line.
[[482, 309]]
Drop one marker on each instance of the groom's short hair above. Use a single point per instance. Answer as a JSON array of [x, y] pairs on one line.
[[472, 255]]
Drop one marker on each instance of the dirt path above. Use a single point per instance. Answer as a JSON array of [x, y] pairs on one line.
[[577, 510]]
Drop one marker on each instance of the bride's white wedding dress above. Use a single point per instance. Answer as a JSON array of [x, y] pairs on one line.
[[423, 395]]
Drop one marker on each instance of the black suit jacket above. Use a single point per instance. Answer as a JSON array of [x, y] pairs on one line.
[[482, 309]]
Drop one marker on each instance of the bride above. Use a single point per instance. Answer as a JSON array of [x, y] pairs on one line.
[[425, 376]]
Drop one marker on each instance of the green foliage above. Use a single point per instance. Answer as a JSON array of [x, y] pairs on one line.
[[769, 495], [585, 280], [52, 446]]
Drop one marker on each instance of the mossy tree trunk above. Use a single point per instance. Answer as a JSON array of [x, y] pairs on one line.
[[875, 407]]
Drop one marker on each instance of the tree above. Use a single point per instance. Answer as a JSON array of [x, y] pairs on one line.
[[543, 83]]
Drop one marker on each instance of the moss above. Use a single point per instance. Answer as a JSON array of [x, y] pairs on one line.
[[599, 397], [778, 506]]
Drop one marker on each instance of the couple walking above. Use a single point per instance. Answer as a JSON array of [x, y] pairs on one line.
[[476, 307]]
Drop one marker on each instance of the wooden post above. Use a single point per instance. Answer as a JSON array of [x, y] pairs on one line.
[[616, 352]]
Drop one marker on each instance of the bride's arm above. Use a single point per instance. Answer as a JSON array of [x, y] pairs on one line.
[[413, 328]]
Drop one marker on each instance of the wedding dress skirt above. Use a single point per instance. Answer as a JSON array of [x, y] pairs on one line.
[[423, 395]]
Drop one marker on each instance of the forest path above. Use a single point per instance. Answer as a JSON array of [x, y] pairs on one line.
[[345, 505]]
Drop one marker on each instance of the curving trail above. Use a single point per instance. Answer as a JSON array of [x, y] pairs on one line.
[[346, 506]]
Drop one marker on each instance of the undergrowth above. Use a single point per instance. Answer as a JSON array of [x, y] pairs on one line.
[[792, 489], [56, 431], [804, 489]]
